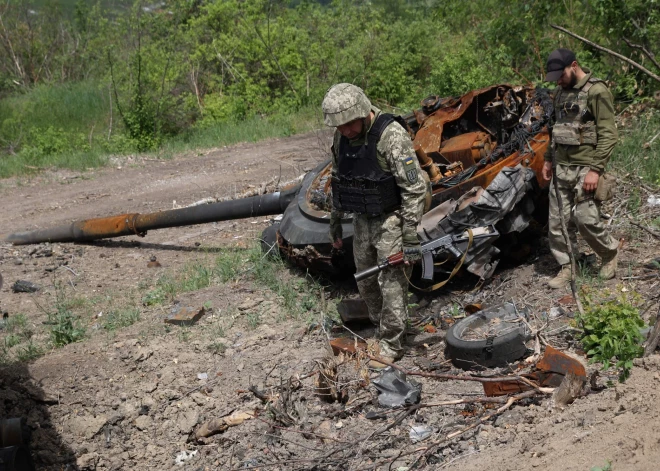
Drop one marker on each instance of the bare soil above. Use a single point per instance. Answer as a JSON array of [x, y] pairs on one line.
[[136, 397]]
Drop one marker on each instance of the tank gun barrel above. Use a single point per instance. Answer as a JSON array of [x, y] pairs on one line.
[[139, 224]]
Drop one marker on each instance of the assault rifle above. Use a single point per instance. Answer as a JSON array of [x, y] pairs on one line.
[[442, 245]]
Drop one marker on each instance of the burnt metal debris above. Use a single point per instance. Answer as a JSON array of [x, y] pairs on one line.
[[482, 152], [550, 371], [394, 390]]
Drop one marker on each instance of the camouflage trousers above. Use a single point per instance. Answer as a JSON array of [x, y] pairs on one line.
[[581, 212], [386, 295]]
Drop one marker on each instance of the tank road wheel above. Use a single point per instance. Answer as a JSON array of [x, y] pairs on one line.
[[490, 338]]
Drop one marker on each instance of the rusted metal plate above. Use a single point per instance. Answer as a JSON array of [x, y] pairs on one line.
[[550, 371], [554, 361], [352, 310], [347, 345], [503, 388], [184, 315]]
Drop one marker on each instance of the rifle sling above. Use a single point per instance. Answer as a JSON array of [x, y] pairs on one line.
[[453, 272]]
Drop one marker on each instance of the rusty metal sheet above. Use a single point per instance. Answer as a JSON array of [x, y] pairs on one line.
[[503, 388], [352, 310], [184, 315], [550, 371], [554, 361], [347, 345]]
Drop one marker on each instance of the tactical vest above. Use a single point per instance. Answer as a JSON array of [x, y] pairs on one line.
[[360, 185], [574, 125]]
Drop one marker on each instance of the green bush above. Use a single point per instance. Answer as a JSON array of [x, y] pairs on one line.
[[612, 332]]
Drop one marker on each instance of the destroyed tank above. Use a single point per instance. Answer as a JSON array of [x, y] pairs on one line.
[[482, 153]]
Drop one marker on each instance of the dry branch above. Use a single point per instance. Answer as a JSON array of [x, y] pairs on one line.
[[654, 337], [648, 54], [509, 402], [650, 231], [479, 379], [609, 51]]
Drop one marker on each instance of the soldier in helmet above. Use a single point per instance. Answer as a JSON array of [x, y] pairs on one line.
[[583, 136], [376, 176]]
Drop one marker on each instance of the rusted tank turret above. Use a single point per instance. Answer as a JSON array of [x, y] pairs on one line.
[[483, 153]]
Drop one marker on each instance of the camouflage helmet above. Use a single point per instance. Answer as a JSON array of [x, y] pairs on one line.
[[343, 103]]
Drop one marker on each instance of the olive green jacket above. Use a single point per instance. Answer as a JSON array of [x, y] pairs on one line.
[[600, 103]]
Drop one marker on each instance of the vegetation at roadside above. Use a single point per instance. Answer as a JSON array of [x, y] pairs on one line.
[[17, 343], [80, 80], [299, 297], [606, 467], [612, 326], [637, 153]]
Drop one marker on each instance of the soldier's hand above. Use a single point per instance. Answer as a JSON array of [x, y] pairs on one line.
[[338, 244], [547, 171], [412, 250], [590, 181]]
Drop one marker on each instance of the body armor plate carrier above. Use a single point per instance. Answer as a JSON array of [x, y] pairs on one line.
[[360, 185], [574, 124]]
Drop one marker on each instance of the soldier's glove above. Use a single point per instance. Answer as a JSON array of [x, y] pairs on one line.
[[336, 231], [412, 250]]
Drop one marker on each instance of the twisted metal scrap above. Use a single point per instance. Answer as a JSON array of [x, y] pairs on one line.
[[521, 135]]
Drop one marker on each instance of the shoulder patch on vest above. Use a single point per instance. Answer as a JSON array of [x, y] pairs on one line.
[[412, 175]]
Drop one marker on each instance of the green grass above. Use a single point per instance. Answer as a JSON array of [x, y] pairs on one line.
[[61, 126], [17, 343], [119, 318], [251, 130], [631, 155], [299, 297], [68, 126], [67, 6], [16, 323]]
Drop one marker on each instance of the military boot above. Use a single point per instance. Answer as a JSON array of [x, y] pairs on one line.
[[563, 277], [387, 354], [608, 269]]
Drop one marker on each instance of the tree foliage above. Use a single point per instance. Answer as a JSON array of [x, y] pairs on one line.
[[199, 62]]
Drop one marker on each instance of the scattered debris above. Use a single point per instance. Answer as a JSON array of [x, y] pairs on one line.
[[566, 300], [420, 432], [347, 345], [570, 388], [353, 310], [184, 456], [556, 312], [653, 200], [23, 286], [184, 315], [153, 262], [549, 373], [395, 391]]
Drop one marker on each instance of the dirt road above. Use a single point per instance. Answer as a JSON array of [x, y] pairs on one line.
[[134, 393]]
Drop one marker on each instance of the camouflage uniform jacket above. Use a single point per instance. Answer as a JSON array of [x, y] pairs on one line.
[[392, 150], [600, 105]]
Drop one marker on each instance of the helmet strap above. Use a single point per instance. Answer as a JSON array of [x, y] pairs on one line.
[[366, 121]]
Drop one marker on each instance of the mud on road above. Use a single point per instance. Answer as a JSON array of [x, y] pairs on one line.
[[134, 393]]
